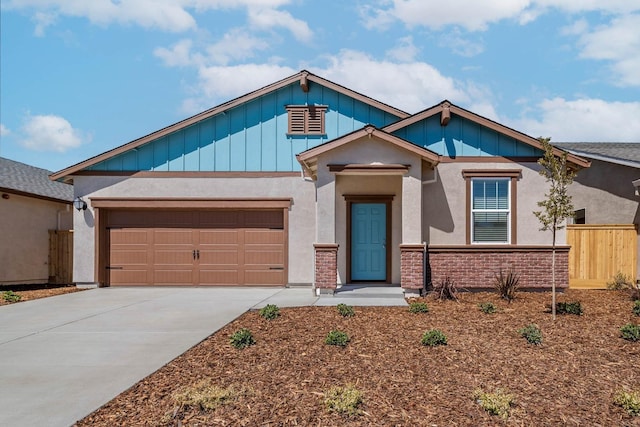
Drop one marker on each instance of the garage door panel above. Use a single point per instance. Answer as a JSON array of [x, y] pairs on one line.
[[198, 248], [218, 237]]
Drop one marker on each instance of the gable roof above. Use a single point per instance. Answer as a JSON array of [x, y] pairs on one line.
[[308, 159], [23, 179], [446, 109], [304, 77], [622, 153]]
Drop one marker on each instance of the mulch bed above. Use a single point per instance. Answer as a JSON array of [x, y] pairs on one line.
[[31, 294], [568, 380]]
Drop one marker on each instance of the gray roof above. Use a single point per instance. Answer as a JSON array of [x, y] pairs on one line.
[[27, 179], [624, 153]]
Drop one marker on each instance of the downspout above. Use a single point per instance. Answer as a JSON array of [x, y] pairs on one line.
[[424, 269]]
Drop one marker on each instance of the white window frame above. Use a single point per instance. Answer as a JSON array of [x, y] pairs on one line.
[[508, 211]]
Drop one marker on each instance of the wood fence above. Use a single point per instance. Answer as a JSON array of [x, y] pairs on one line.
[[60, 257], [599, 251]]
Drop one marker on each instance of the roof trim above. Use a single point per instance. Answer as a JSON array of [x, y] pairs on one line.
[[445, 108], [304, 77], [368, 131], [34, 195]]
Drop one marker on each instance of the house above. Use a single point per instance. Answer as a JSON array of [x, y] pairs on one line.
[[605, 194], [30, 205], [306, 182]]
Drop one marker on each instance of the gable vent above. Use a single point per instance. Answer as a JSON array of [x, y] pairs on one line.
[[306, 119]]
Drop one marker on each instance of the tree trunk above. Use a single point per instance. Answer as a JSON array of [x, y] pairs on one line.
[[553, 274]]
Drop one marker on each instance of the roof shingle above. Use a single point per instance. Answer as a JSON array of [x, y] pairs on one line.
[[32, 180]]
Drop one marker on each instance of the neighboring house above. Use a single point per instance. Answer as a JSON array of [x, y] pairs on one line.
[[307, 182], [606, 192], [30, 205]]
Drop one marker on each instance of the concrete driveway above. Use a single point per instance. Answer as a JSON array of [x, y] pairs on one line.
[[65, 356]]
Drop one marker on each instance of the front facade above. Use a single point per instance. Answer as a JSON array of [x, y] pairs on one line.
[[305, 182]]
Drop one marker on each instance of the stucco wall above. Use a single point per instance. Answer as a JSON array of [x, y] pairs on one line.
[[24, 245], [301, 215], [606, 193], [444, 204]]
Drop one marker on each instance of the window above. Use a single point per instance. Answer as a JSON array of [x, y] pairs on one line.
[[306, 119], [491, 210]]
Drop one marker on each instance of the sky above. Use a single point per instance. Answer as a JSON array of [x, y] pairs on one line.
[[79, 77]]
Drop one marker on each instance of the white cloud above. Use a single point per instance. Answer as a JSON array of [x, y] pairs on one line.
[[50, 133], [618, 42], [478, 15], [584, 120], [268, 18], [4, 131], [404, 51], [463, 46], [178, 55], [237, 44]]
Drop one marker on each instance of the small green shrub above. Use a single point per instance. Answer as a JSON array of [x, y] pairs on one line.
[[507, 285], [620, 281], [496, 403], [446, 289], [204, 395], [487, 307], [10, 296], [337, 337], [270, 311], [532, 334], [344, 400], [569, 308], [629, 401], [242, 338], [636, 307], [418, 307], [345, 310], [630, 332], [433, 337]]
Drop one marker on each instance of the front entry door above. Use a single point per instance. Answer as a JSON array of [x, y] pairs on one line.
[[369, 241]]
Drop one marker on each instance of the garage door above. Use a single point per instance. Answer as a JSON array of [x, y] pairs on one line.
[[224, 247]]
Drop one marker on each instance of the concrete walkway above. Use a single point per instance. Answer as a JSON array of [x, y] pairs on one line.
[[65, 356]]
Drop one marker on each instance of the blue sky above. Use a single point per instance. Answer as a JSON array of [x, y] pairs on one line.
[[79, 77]]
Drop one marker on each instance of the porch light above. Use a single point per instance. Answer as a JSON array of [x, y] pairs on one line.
[[79, 204]]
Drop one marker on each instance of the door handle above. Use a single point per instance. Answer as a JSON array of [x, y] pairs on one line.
[[198, 253]]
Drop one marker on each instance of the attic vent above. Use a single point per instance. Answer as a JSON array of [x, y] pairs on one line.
[[306, 119]]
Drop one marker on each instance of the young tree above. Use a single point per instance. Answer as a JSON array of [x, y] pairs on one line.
[[557, 206]]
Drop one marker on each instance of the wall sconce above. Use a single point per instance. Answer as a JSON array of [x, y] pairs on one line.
[[79, 204]]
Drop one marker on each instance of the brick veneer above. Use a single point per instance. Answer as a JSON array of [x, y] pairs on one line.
[[475, 267], [412, 268], [326, 271]]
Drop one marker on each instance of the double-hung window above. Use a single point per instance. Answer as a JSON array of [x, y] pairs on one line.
[[491, 210]]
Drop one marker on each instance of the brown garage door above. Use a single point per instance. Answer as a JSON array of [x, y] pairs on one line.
[[224, 247]]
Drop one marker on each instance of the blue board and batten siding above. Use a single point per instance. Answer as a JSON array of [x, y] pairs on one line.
[[464, 138], [251, 137]]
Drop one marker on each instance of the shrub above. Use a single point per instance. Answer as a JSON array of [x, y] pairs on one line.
[[629, 401], [569, 308], [487, 307], [418, 307], [532, 334], [497, 403], [636, 308], [270, 311], [343, 400], [205, 395], [10, 296], [346, 310], [433, 337], [630, 332], [242, 338], [620, 281], [337, 337], [507, 285], [446, 289]]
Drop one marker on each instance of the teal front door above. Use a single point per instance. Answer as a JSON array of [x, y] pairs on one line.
[[369, 241]]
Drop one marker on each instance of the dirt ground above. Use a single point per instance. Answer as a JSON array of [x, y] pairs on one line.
[[569, 380], [31, 294]]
